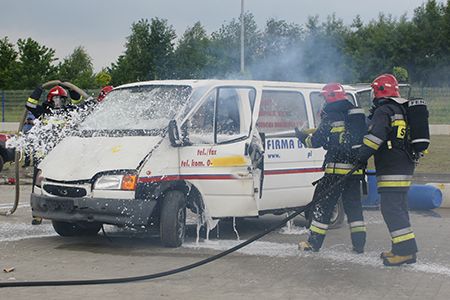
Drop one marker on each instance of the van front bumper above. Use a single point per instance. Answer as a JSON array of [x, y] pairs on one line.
[[129, 212]]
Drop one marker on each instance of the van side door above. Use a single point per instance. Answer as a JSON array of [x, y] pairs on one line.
[[217, 160], [289, 166]]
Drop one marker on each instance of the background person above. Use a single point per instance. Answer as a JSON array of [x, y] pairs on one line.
[[332, 136]]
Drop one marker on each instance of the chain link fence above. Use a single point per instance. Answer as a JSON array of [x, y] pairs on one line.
[[438, 99], [13, 103]]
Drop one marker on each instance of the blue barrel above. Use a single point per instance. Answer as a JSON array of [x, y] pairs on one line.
[[422, 197], [372, 199]]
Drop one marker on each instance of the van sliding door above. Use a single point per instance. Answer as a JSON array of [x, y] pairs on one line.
[[289, 166]]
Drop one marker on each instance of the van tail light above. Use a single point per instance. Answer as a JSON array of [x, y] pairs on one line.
[[129, 182]]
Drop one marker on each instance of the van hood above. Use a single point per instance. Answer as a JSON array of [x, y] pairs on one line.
[[80, 158]]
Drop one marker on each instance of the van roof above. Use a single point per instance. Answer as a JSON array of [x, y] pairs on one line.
[[212, 82]]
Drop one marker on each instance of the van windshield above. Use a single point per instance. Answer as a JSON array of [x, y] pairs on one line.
[[141, 109]]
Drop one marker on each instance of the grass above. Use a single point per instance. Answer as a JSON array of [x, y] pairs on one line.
[[437, 160]]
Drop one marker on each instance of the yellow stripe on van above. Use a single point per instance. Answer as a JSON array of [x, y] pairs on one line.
[[229, 161]]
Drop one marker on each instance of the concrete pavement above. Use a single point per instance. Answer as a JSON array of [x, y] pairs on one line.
[[268, 269]]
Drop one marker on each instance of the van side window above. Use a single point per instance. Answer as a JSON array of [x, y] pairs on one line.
[[233, 113], [281, 111], [223, 117], [201, 124], [317, 103]]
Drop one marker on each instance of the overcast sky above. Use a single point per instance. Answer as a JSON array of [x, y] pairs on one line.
[[101, 26]]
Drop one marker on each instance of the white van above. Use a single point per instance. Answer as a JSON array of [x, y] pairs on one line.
[[153, 149]]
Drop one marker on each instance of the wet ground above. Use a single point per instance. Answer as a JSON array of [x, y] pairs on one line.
[[271, 268]]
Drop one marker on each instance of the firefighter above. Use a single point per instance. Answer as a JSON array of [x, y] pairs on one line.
[[332, 135], [57, 102], [387, 140], [57, 99]]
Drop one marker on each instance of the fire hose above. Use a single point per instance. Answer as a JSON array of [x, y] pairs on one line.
[[16, 174], [183, 268]]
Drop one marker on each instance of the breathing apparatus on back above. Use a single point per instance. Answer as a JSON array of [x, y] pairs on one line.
[[415, 112]]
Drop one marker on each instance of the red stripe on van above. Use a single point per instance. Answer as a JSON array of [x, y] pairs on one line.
[[186, 177], [292, 171], [223, 176]]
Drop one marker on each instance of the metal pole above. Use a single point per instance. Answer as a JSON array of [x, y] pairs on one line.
[[3, 106], [242, 37]]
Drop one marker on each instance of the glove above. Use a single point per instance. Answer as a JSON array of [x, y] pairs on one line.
[[361, 158], [300, 134]]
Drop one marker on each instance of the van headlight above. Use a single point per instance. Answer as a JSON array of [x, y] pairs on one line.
[[125, 182]]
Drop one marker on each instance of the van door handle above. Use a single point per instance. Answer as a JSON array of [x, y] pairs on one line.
[[243, 174]]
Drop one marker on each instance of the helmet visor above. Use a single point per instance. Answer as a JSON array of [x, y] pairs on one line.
[[59, 101]]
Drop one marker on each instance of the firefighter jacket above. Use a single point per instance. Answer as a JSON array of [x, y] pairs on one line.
[[33, 106], [331, 135], [387, 140]]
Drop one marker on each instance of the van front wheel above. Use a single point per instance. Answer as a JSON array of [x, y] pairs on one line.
[[173, 219]]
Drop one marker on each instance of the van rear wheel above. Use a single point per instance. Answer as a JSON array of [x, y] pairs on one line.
[[337, 216], [76, 229], [172, 224]]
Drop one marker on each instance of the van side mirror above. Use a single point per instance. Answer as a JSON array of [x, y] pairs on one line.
[[174, 136]]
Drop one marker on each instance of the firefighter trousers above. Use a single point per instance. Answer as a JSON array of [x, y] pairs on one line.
[[394, 208], [350, 192]]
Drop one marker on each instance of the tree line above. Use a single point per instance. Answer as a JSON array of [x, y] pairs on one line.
[[416, 50]]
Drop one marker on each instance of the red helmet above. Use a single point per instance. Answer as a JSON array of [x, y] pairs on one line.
[[104, 91], [333, 92], [385, 85], [56, 91], [57, 96]]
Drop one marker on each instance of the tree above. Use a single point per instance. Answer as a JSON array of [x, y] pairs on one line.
[[372, 48], [400, 73], [191, 56], [225, 47], [162, 38], [77, 68], [8, 63], [280, 51], [35, 64], [430, 66], [323, 56], [148, 53], [102, 78], [134, 63]]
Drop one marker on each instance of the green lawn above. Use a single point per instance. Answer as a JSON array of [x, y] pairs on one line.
[[438, 158]]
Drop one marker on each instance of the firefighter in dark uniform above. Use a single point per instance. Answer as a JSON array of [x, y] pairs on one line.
[[333, 136], [57, 102], [387, 141]]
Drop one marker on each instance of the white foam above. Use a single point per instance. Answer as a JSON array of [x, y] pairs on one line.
[[16, 232], [260, 248]]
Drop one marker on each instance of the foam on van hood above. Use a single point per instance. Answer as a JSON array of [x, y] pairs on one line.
[[80, 158]]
